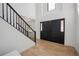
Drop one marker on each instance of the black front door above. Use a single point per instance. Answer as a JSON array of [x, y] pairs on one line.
[[52, 31]]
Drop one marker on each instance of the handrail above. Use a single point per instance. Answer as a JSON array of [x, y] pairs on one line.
[[20, 23], [18, 15]]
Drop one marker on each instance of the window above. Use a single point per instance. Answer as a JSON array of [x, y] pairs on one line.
[[51, 6], [41, 27], [62, 26]]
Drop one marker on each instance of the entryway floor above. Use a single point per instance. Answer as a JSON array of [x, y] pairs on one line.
[[47, 48]]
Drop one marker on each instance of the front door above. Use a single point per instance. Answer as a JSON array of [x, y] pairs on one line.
[[53, 30]]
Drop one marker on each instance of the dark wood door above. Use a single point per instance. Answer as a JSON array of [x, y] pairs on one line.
[[51, 30]]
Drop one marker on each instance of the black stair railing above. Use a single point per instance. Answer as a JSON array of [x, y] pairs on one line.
[[8, 13]]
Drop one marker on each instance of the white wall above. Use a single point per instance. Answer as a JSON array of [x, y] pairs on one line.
[[25, 9], [43, 15], [11, 39], [38, 16], [77, 29], [77, 36], [67, 11]]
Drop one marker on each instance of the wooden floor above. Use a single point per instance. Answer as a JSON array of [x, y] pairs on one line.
[[46, 48]]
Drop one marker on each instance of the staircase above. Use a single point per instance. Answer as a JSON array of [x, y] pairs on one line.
[[10, 15]]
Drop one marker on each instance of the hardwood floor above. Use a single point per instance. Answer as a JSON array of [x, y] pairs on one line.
[[46, 48]]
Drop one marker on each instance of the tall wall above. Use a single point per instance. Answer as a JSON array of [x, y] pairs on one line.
[[39, 13], [25, 9], [67, 11], [77, 29]]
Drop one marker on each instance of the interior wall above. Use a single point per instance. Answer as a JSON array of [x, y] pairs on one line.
[[77, 36], [11, 39], [39, 13], [77, 29], [42, 14], [67, 11], [25, 9]]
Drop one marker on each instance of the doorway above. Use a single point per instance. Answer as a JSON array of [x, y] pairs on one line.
[[53, 30]]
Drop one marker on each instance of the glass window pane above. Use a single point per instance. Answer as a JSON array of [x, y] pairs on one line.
[[62, 26], [41, 27], [51, 6]]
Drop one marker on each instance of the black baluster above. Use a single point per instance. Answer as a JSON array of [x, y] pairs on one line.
[[3, 10], [10, 15], [13, 19], [7, 12], [16, 21]]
